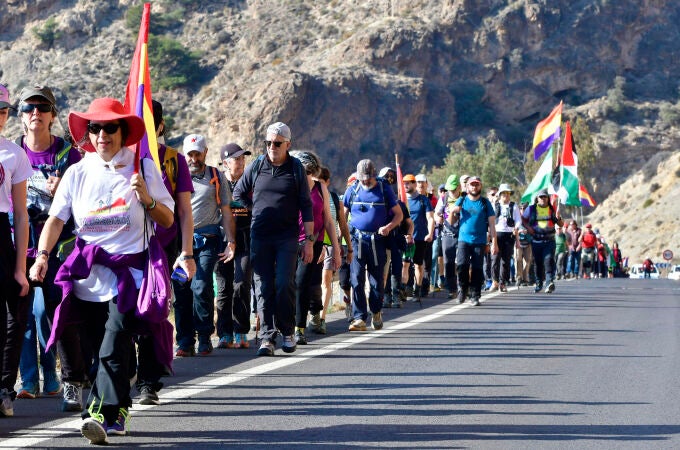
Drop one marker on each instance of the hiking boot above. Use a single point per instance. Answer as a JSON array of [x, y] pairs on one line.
[[120, 426], [300, 338], [315, 321], [94, 427], [226, 342], [205, 346], [348, 307], [148, 396], [322, 327], [494, 287], [6, 405], [185, 352], [288, 345], [51, 384], [28, 391], [450, 295], [357, 325], [377, 322], [502, 288], [266, 348], [475, 300], [241, 340], [73, 397], [461, 297], [387, 303], [550, 288]]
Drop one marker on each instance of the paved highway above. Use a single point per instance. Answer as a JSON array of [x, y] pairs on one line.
[[593, 366]]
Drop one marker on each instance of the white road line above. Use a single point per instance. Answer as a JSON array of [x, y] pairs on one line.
[[34, 436]]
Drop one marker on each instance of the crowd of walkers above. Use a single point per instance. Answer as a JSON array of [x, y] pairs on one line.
[[89, 233]]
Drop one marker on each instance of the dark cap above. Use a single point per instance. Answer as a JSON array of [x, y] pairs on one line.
[[365, 170], [232, 150], [38, 91]]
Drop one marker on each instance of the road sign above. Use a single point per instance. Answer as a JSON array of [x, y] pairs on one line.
[[667, 255]]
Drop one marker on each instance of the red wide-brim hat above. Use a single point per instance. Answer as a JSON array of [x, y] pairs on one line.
[[104, 110]]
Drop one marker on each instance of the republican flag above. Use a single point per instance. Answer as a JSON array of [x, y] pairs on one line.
[[400, 181], [547, 132], [586, 199], [138, 93], [568, 190], [542, 180]]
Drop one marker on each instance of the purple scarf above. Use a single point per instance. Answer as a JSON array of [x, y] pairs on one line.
[[77, 267]]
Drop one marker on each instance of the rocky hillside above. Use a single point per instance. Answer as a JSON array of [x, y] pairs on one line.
[[356, 78]]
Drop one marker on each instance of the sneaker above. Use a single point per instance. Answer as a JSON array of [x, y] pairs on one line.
[[450, 295], [300, 338], [28, 391], [6, 406], [226, 342], [241, 340], [461, 297], [148, 396], [475, 300], [348, 307], [377, 322], [315, 321], [266, 348], [538, 288], [357, 325], [322, 327], [185, 352], [205, 346], [288, 345], [51, 385], [120, 426], [387, 303], [488, 284], [550, 288], [502, 287], [94, 427], [73, 397]]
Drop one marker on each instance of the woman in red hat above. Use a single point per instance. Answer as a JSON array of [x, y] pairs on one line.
[[101, 278]]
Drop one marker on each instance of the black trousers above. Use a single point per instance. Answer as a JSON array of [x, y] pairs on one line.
[[13, 309]]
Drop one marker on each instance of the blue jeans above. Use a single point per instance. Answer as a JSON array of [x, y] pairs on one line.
[[369, 256], [573, 262], [195, 300], [273, 262], [37, 333], [469, 268], [544, 260]]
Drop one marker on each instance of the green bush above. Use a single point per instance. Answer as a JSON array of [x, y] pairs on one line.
[[48, 33], [172, 65]]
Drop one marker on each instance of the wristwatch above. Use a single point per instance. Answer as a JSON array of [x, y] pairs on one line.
[[310, 237]]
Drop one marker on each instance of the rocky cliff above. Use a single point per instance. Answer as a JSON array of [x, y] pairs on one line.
[[357, 78]]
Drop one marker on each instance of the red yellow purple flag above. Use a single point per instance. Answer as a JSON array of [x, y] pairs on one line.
[[547, 132], [586, 199], [138, 93]]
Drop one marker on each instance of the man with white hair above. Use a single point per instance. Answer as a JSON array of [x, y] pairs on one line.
[[275, 188]]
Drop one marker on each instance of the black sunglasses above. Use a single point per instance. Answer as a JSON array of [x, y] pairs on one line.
[[29, 107], [276, 144], [109, 128]]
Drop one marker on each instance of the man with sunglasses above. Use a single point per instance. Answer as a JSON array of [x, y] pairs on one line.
[[477, 221], [50, 156], [275, 188], [540, 220]]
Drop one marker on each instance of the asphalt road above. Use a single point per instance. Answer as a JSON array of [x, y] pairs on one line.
[[592, 366]]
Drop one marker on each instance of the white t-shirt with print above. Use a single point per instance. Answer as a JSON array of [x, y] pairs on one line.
[[107, 213], [14, 168]]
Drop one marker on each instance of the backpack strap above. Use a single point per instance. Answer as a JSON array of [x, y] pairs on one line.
[[215, 179]]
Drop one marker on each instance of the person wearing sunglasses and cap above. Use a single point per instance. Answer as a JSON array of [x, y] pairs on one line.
[[540, 220], [15, 169], [50, 156], [112, 205], [275, 188], [477, 225]]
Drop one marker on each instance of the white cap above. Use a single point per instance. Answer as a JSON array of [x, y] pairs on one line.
[[194, 143]]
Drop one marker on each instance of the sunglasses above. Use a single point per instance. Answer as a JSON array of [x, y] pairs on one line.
[[29, 107], [543, 196], [276, 144], [109, 128]]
